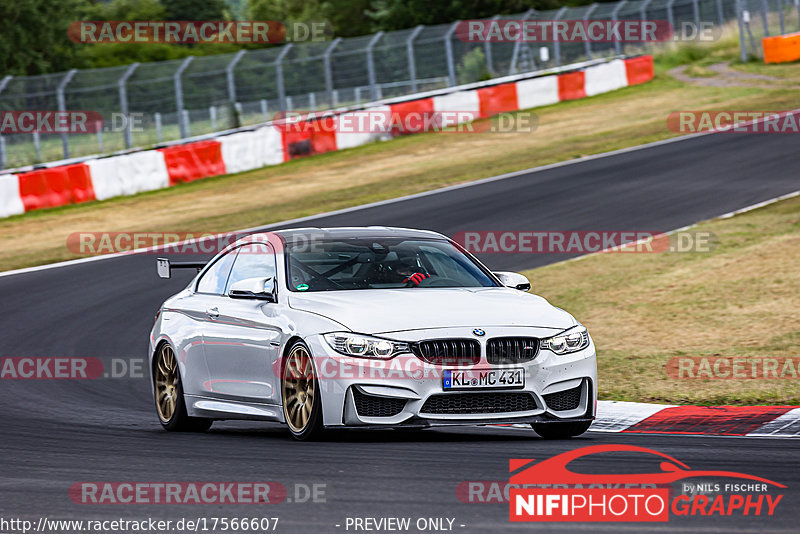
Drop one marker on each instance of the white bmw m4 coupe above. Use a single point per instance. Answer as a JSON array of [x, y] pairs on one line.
[[366, 327]]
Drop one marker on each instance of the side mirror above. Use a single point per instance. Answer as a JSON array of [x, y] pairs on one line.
[[514, 280], [253, 288]]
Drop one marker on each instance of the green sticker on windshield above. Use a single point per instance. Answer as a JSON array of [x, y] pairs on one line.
[[302, 287]]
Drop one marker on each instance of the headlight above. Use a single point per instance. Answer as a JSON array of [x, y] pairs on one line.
[[570, 340], [364, 346]]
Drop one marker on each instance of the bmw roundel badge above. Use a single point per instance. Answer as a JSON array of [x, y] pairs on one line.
[[478, 332]]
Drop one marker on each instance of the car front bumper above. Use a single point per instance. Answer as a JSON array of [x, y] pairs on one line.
[[398, 390]]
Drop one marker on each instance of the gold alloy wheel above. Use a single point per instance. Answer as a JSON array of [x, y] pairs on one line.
[[298, 388], [166, 382]]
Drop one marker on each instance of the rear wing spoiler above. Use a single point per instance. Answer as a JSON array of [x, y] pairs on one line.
[[164, 266]]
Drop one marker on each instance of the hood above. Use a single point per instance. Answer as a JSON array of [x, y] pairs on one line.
[[375, 311]]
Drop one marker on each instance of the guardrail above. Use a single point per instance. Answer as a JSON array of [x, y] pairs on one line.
[[237, 150], [187, 97]]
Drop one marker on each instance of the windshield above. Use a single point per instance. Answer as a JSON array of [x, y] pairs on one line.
[[336, 264]]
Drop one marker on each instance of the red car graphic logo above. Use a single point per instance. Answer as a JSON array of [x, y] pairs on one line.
[[555, 471]]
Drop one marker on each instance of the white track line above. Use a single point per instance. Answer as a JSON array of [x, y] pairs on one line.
[[421, 195]]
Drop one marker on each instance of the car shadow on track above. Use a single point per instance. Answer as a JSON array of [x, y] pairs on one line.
[[402, 435]]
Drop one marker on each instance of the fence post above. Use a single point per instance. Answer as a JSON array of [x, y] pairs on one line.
[[412, 65], [179, 96], [187, 120], [512, 69], [764, 9], [159, 133], [123, 104], [99, 126], [4, 82], [614, 14], [696, 8], [229, 75], [487, 51], [62, 107], [780, 16], [3, 155], [212, 115], [797, 4], [643, 9], [588, 43], [37, 146], [279, 75], [448, 48], [326, 59], [671, 16], [742, 43], [264, 110], [237, 110], [720, 13], [371, 66], [556, 42]]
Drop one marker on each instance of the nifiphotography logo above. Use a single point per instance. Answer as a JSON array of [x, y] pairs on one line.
[[550, 491]]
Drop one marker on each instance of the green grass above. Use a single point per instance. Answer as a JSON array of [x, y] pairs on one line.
[[647, 310]]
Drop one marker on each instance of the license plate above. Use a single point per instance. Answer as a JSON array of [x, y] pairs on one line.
[[483, 379]]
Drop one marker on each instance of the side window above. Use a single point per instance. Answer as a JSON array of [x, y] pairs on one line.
[[213, 280], [252, 261]]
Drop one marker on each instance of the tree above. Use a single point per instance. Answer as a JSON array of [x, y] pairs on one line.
[[195, 9], [344, 18], [33, 35], [400, 14], [127, 10]]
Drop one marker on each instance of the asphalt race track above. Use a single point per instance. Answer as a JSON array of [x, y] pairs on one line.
[[57, 433]]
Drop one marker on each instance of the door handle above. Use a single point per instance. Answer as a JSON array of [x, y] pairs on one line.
[[213, 313]]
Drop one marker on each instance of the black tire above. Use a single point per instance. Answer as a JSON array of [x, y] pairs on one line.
[[167, 381], [564, 430], [299, 386]]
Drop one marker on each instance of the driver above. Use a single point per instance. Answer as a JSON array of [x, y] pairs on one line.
[[411, 273]]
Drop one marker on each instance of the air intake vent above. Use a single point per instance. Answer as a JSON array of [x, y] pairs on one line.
[[479, 403], [372, 406], [564, 400]]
